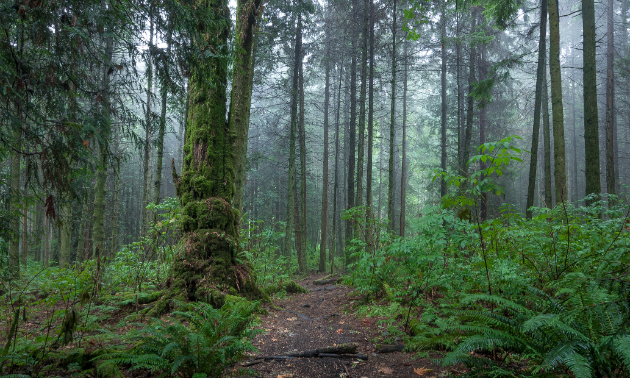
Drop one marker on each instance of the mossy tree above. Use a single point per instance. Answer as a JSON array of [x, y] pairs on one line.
[[207, 268]]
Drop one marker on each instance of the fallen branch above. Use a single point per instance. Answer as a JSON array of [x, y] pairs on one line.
[[340, 351]]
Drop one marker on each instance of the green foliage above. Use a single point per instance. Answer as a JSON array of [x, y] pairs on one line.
[[508, 296], [196, 341]]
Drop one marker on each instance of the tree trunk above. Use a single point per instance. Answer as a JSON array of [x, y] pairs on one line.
[[209, 267], [352, 126], [302, 261], [483, 73], [540, 76], [547, 142], [556, 102], [66, 232], [403, 172], [14, 244], [444, 106], [116, 201], [336, 187], [470, 107], [392, 133], [362, 98], [297, 62], [147, 133], [248, 13], [610, 103], [162, 130], [370, 140], [324, 230], [101, 173], [24, 255]]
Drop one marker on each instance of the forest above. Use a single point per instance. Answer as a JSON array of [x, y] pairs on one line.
[[315, 188]]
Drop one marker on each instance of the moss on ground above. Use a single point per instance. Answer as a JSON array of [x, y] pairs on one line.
[[289, 286]]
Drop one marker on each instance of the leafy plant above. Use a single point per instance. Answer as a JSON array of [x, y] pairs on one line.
[[198, 340]]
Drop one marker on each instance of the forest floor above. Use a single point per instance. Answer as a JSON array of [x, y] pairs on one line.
[[324, 317]]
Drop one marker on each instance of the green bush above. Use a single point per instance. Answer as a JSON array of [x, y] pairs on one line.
[[197, 340]]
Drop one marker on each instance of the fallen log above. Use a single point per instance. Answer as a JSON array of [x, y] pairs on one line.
[[339, 351], [326, 281]]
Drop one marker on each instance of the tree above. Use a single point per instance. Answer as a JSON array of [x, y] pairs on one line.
[[209, 264], [610, 102], [557, 108], [392, 124], [540, 76]]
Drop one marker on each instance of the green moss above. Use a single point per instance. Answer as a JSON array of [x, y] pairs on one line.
[[289, 286]]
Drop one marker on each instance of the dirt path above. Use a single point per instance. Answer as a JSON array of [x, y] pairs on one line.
[[316, 320]]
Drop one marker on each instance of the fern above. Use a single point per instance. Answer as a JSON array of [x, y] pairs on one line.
[[198, 339], [585, 336]]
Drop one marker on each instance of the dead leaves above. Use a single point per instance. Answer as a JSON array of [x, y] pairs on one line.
[[339, 331], [385, 370], [421, 371]]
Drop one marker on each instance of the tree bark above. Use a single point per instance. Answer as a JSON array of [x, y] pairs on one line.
[[392, 133], [324, 230], [248, 14], [14, 244], [352, 129], [333, 251], [101, 172], [611, 137], [403, 171], [470, 105], [444, 105], [297, 62], [370, 139], [540, 77], [556, 102], [147, 133], [66, 231], [362, 98], [483, 73], [162, 129], [302, 261], [547, 142]]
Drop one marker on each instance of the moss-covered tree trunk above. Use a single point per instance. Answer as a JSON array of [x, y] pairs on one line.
[[324, 226], [470, 102], [248, 13], [206, 268], [362, 98], [547, 142], [591, 119]]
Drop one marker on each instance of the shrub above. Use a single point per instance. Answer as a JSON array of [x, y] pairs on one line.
[[198, 340]]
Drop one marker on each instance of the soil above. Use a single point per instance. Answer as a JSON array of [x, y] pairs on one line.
[[324, 318]]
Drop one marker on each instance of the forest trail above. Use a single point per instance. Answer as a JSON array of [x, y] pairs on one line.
[[318, 319]]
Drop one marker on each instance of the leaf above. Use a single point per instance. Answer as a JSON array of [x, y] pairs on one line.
[[340, 331], [421, 371], [385, 370]]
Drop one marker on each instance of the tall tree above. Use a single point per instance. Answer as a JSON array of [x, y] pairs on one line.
[[557, 109], [610, 101], [540, 76], [297, 62], [470, 102], [101, 172], [547, 142], [392, 124], [302, 263], [352, 127], [206, 187], [370, 139], [444, 104], [324, 229], [162, 128], [362, 98], [147, 130], [403, 172]]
